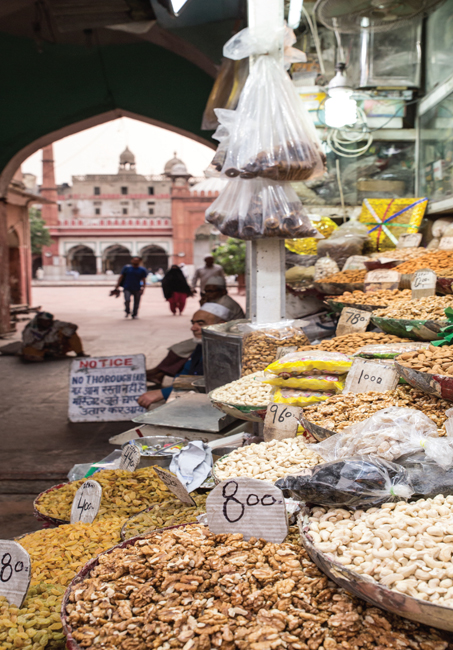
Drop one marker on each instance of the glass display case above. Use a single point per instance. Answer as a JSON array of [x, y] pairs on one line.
[[436, 148], [439, 37]]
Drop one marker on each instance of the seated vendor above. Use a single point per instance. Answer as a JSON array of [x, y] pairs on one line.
[[184, 358], [43, 337], [215, 291]]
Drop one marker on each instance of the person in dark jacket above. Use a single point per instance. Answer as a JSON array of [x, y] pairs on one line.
[[176, 289]]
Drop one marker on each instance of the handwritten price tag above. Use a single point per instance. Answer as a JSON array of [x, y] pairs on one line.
[[282, 352], [248, 506], [367, 376], [381, 279], [15, 572], [410, 240], [446, 244], [423, 284], [352, 320], [130, 458], [174, 485], [86, 503], [281, 422]]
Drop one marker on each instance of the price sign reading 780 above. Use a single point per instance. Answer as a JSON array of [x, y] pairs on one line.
[[352, 320]]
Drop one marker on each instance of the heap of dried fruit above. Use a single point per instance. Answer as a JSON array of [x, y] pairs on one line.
[[188, 588], [384, 297], [123, 494], [350, 343], [162, 515], [433, 360], [438, 261], [259, 348], [345, 276], [429, 308]]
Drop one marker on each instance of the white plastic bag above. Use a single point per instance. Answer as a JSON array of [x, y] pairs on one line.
[[260, 208], [270, 133]]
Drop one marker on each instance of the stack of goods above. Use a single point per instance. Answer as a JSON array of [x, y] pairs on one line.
[[351, 343], [324, 268], [308, 245], [260, 347], [441, 262], [163, 515], [267, 461], [400, 254], [432, 360], [348, 240], [247, 391], [425, 573], [340, 411], [345, 276], [282, 600], [388, 219], [429, 308], [383, 298], [123, 494], [302, 378]]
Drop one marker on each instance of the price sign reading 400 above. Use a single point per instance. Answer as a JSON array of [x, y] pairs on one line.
[[87, 500], [15, 572], [248, 506]]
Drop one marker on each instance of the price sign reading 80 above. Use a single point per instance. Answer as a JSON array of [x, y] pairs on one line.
[[14, 572], [248, 506]]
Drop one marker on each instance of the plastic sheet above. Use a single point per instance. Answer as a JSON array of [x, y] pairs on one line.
[[389, 434], [260, 208], [427, 477], [270, 133], [389, 350], [314, 363], [299, 397], [358, 482], [332, 383]]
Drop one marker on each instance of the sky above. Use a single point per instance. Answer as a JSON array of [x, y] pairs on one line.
[[97, 150]]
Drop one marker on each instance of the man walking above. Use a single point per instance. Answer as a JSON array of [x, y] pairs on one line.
[[205, 272], [132, 279]]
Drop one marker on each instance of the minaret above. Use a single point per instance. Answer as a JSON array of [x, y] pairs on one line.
[[49, 212]]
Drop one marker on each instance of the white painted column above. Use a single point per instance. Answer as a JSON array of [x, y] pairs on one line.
[[98, 264], [266, 257]]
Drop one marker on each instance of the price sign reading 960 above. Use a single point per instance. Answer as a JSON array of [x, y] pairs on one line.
[[353, 320], [15, 572], [281, 421], [248, 506]]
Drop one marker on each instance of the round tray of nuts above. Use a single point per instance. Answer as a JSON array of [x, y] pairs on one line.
[[431, 370], [396, 577], [246, 398]]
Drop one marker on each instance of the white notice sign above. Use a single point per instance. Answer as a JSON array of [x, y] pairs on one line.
[[174, 485], [381, 279], [410, 240], [281, 422], [15, 572], [423, 284], [87, 500], [130, 458], [352, 320], [248, 506], [367, 376], [103, 389], [446, 244]]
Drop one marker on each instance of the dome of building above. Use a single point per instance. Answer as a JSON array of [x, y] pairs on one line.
[[179, 169], [171, 163], [127, 157]]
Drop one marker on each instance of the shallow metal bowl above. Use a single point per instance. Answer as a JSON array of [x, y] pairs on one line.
[[156, 459]]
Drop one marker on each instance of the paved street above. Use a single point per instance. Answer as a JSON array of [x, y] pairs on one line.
[[39, 445]]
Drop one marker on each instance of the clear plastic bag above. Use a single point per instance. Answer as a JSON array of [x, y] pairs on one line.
[[299, 397], [324, 267], [389, 350], [359, 482], [388, 434], [260, 208], [347, 241], [427, 477], [272, 135], [317, 362]]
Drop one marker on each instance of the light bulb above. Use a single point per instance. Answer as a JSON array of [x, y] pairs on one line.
[[340, 111]]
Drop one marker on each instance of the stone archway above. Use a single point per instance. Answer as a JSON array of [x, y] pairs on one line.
[[14, 267], [82, 259], [115, 257], [154, 258]]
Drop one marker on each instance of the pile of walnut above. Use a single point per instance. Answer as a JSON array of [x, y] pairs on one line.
[[430, 308], [433, 360], [404, 546], [187, 588]]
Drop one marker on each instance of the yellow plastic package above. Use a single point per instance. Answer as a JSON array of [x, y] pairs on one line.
[[332, 383], [308, 245], [317, 362], [388, 219], [299, 397]]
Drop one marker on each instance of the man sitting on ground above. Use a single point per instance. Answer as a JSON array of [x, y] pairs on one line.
[[215, 291], [184, 358], [45, 337]]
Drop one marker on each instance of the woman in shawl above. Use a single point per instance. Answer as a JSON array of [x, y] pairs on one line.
[[176, 289]]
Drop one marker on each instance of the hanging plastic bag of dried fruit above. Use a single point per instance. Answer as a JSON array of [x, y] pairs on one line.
[[260, 208], [271, 134]]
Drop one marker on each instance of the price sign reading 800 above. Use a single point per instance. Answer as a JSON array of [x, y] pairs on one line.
[[248, 506], [14, 572]]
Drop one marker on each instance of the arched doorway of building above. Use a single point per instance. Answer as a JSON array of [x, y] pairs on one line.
[[36, 264], [82, 259], [14, 267], [115, 257], [154, 258]]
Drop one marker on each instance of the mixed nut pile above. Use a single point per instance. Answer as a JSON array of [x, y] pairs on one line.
[[340, 411], [429, 308], [438, 261], [267, 461], [351, 343], [188, 588], [433, 360], [373, 298], [404, 546]]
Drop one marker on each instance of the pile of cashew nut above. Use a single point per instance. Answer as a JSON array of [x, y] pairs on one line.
[[405, 546]]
